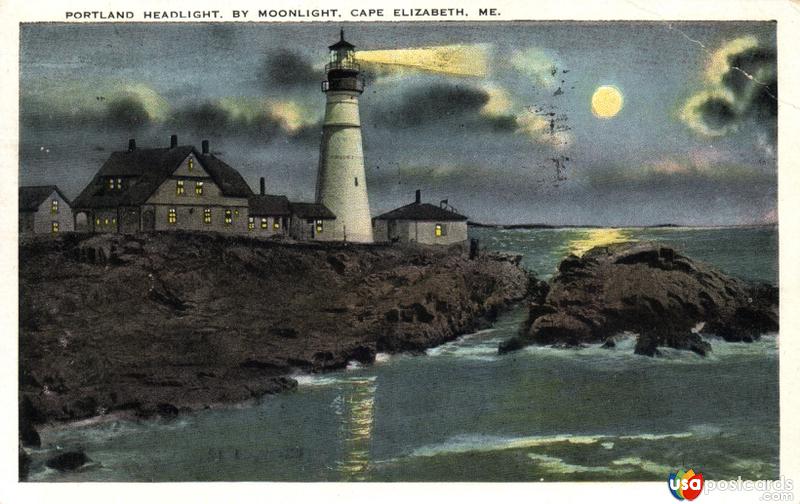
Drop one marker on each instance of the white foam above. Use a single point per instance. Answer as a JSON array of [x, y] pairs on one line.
[[646, 465], [557, 465], [481, 443], [322, 380]]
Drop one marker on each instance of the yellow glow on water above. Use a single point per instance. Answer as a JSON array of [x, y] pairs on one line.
[[598, 238], [357, 429], [465, 60]]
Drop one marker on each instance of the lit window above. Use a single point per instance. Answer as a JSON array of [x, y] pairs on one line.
[[236, 212], [319, 226], [97, 221], [264, 223], [111, 183], [113, 220], [119, 183], [251, 223], [438, 230], [172, 216], [228, 217], [54, 207], [190, 165], [276, 223], [198, 188], [207, 216], [105, 221], [54, 227], [179, 189]]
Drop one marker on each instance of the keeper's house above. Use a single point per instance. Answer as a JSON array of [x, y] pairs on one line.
[[421, 223], [44, 209], [164, 189]]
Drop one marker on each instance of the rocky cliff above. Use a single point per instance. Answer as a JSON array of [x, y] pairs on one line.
[[667, 299], [159, 323]]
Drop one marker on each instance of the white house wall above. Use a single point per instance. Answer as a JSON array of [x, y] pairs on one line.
[[422, 231], [43, 218]]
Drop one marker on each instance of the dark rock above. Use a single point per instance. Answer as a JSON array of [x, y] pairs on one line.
[[257, 364], [537, 290], [422, 314], [536, 310], [194, 319], [609, 343], [649, 290], [337, 264], [392, 315], [160, 293], [283, 332], [68, 461], [560, 328], [166, 410], [24, 467], [511, 345], [28, 415], [363, 354]]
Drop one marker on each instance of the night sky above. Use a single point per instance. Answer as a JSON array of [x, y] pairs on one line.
[[515, 142]]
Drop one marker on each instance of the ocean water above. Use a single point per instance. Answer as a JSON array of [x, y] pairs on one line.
[[464, 413]]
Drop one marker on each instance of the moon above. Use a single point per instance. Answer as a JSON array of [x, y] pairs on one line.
[[607, 101]]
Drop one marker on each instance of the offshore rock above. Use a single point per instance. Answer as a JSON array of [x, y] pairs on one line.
[[68, 461], [650, 290]]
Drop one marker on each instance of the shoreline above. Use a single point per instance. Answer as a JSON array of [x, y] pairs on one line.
[[159, 325], [133, 415]]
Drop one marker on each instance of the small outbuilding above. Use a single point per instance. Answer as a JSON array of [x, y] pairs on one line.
[[44, 209], [421, 223], [312, 221], [268, 214]]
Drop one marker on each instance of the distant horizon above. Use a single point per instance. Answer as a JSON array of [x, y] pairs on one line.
[[608, 226]]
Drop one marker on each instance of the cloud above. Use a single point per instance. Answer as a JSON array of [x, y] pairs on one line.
[[699, 168], [742, 86], [539, 65], [288, 69], [542, 130], [486, 108], [445, 103], [135, 107], [262, 119], [118, 105]]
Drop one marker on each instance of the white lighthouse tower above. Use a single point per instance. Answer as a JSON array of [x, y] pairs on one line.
[[341, 183]]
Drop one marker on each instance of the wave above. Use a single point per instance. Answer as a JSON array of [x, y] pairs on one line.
[[319, 380], [559, 466], [556, 465], [482, 443]]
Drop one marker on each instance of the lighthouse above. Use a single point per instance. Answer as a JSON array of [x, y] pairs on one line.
[[341, 183]]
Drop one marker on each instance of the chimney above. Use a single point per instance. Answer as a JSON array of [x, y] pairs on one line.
[[418, 196], [173, 141], [263, 184], [132, 144], [205, 146]]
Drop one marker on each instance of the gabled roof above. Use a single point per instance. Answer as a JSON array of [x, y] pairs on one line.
[[311, 211], [422, 212], [145, 170], [268, 204], [31, 197]]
